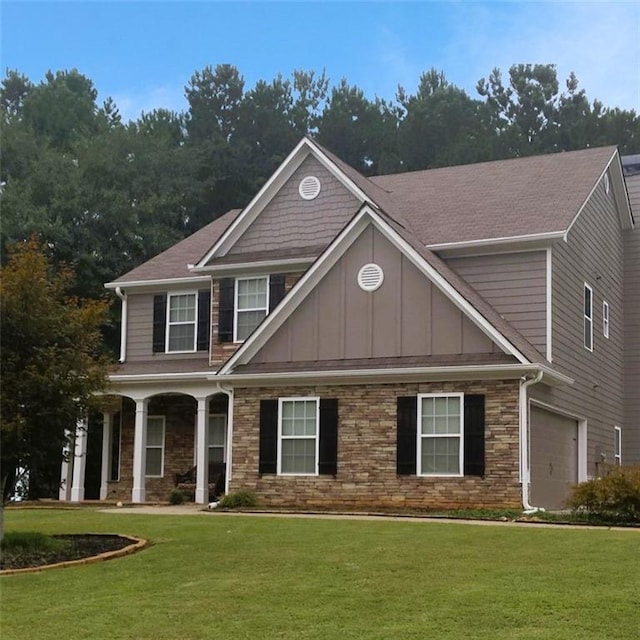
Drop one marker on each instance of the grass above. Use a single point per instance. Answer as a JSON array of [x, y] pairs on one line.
[[226, 576]]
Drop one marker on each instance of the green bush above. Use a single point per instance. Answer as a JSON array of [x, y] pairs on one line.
[[238, 500], [176, 496], [614, 497]]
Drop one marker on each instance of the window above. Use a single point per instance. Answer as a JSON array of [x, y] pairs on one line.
[[605, 319], [298, 420], [181, 322], [252, 305], [617, 445], [588, 317], [440, 446], [155, 447], [217, 437]]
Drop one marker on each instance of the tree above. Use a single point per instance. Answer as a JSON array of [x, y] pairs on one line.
[[51, 361]]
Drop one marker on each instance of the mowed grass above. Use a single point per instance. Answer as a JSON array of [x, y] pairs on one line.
[[229, 576]]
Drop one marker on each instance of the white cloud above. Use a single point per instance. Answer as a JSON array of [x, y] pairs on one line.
[[132, 102]]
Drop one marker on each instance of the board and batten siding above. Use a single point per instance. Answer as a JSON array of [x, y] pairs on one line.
[[592, 253], [515, 284], [631, 431]]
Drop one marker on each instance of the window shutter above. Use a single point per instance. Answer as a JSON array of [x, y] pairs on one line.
[[407, 424], [474, 435], [268, 437], [225, 308], [204, 319], [159, 322], [328, 454], [276, 291]]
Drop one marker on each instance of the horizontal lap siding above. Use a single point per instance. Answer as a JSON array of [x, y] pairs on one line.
[[592, 254], [139, 326], [631, 432], [367, 461], [515, 285]]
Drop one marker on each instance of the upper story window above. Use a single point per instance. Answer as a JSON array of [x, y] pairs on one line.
[[252, 305], [588, 317], [181, 321], [605, 319]]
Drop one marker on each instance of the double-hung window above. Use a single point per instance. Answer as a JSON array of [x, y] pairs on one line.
[[617, 445], [298, 421], [251, 305], [588, 317], [181, 322], [605, 319], [440, 434], [217, 437], [154, 465]]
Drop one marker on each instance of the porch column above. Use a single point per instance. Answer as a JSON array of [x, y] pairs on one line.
[[229, 452], [64, 493], [79, 461], [139, 451], [106, 455], [202, 451]]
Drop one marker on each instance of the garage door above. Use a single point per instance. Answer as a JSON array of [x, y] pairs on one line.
[[554, 458]]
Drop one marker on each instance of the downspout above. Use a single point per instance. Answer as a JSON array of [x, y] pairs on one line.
[[525, 470], [123, 327]]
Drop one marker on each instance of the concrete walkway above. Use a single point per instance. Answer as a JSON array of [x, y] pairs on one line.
[[199, 510]]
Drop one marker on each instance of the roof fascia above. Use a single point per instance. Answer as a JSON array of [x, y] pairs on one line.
[[512, 244], [365, 216], [622, 195], [287, 265], [154, 284], [595, 186]]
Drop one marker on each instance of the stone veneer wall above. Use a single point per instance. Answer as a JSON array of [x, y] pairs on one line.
[[221, 351], [367, 451]]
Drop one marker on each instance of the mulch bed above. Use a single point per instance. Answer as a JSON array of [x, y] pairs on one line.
[[75, 547]]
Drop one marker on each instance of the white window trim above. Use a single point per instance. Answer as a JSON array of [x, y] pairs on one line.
[[170, 324], [224, 443], [588, 318], [606, 319], [146, 445], [281, 401], [617, 445], [420, 437], [235, 303]]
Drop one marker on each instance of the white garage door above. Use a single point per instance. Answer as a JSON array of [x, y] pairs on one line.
[[554, 458]]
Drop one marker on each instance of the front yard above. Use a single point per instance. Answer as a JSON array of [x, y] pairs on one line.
[[226, 576]]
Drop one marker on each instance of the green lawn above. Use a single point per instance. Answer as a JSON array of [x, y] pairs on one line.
[[225, 576]]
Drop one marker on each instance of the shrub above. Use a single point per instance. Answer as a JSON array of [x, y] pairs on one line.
[[615, 496], [176, 496], [238, 500]]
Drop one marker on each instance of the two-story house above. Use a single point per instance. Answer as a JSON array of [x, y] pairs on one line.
[[442, 338]]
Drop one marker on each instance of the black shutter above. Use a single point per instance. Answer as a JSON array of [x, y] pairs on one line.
[[268, 437], [276, 291], [474, 435], [328, 454], [204, 319], [159, 322], [407, 423], [225, 307]]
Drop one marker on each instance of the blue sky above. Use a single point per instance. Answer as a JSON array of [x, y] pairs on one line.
[[143, 53]]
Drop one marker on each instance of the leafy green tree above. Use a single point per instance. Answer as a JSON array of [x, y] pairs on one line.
[[51, 362]]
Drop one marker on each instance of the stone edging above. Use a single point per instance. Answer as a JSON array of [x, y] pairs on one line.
[[136, 545]]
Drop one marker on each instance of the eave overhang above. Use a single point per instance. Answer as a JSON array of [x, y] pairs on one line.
[[167, 283]]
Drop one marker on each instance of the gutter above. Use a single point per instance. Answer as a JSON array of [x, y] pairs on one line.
[[525, 469], [123, 327]]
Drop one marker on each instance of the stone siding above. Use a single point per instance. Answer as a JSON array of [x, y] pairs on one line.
[[367, 475]]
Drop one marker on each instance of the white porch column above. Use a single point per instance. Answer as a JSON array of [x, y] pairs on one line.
[[229, 452], [106, 455], [79, 461], [202, 451], [139, 451], [64, 493]]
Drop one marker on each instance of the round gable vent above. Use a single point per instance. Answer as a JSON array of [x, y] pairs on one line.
[[370, 277], [309, 188]]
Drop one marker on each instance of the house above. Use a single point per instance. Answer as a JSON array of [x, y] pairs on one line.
[[456, 337]]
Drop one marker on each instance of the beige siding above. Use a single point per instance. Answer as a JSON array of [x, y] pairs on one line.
[[592, 254], [515, 285], [631, 431], [290, 222], [406, 316]]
